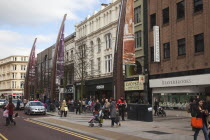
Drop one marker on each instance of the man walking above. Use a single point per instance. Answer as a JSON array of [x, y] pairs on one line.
[[121, 105], [10, 107]]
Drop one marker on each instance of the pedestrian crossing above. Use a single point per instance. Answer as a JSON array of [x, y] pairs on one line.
[[62, 130], [2, 137]]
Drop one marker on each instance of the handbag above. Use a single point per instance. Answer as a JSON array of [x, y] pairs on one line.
[[6, 113], [197, 122]]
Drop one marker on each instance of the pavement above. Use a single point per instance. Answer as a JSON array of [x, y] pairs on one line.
[[172, 127]]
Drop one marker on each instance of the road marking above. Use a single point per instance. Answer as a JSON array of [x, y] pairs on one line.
[[2, 137], [62, 130]]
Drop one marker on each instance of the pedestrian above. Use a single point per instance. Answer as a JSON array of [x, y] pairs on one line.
[[10, 107], [83, 105], [201, 112], [113, 112], [24, 102], [156, 105], [121, 106], [64, 108], [77, 105], [106, 109], [18, 104], [97, 106]]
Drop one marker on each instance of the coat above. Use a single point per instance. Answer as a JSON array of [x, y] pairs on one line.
[[112, 109], [63, 105]]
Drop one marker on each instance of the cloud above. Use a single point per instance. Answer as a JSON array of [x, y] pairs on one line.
[[13, 43], [33, 12]]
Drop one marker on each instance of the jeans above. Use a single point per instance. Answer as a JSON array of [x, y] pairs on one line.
[[9, 119], [205, 132]]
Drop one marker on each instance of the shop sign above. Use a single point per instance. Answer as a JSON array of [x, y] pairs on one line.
[[156, 34], [17, 94], [100, 87], [181, 81], [133, 85], [69, 89], [141, 79]]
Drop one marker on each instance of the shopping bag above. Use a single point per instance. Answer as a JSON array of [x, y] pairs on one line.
[[65, 108], [6, 113], [197, 122]]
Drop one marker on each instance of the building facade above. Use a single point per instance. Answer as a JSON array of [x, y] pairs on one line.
[[69, 67], [180, 67], [94, 50], [43, 73], [133, 73], [12, 76]]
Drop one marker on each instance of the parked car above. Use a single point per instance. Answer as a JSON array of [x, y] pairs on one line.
[[2, 102], [34, 107], [14, 101]]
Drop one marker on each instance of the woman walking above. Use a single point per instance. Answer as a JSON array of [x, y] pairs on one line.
[[64, 108], [201, 113], [113, 112], [10, 107]]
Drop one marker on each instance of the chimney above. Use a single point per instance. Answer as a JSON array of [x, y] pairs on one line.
[[103, 5]]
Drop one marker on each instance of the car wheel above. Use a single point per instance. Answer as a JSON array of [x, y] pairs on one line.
[[44, 113], [29, 113]]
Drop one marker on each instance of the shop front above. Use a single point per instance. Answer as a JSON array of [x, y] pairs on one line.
[[134, 91], [99, 88], [177, 92]]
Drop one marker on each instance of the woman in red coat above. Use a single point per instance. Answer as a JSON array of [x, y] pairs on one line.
[[10, 107]]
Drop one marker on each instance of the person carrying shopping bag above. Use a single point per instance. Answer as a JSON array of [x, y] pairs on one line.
[[10, 107], [64, 108]]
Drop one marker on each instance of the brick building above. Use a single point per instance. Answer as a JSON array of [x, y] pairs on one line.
[[184, 50]]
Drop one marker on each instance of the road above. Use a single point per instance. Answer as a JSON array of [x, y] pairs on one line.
[[27, 129]]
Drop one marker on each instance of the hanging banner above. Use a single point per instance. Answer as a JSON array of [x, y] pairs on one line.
[[60, 60], [129, 38], [156, 35]]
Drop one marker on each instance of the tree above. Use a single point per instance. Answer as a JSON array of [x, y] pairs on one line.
[[83, 65]]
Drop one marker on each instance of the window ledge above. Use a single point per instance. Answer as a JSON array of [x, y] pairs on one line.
[[165, 24], [139, 48], [198, 12], [137, 24], [180, 19], [181, 56], [166, 59], [198, 53]]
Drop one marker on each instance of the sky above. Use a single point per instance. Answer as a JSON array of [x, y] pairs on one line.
[[21, 21]]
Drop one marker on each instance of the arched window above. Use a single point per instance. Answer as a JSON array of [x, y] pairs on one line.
[[91, 48], [99, 45]]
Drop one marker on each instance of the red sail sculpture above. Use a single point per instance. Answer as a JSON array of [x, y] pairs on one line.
[[30, 73], [124, 47], [55, 61]]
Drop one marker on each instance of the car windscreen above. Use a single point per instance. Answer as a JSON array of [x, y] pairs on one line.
[[36, 104]]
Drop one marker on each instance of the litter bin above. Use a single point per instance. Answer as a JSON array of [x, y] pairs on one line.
[[140, 112]]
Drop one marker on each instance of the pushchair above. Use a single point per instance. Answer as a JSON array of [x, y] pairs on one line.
[[96, 119], [161, 112]]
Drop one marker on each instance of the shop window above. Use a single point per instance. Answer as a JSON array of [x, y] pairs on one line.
[[137, 16], [180, 9], [152, 20], [152, 54], [181, 47], [199, 42], [198, 5], [165, 16], [166, 48], [138, 39]]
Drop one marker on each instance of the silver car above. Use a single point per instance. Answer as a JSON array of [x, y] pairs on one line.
[[34, 107], [2, 102]]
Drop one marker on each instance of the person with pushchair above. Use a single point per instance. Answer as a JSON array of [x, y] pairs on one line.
[[10, 107], [156, 106]]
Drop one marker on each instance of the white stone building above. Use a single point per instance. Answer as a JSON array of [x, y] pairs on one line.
[[95, 38], [12, 75]]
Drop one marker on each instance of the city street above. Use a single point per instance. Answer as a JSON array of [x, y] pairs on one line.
[[27, 129]]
